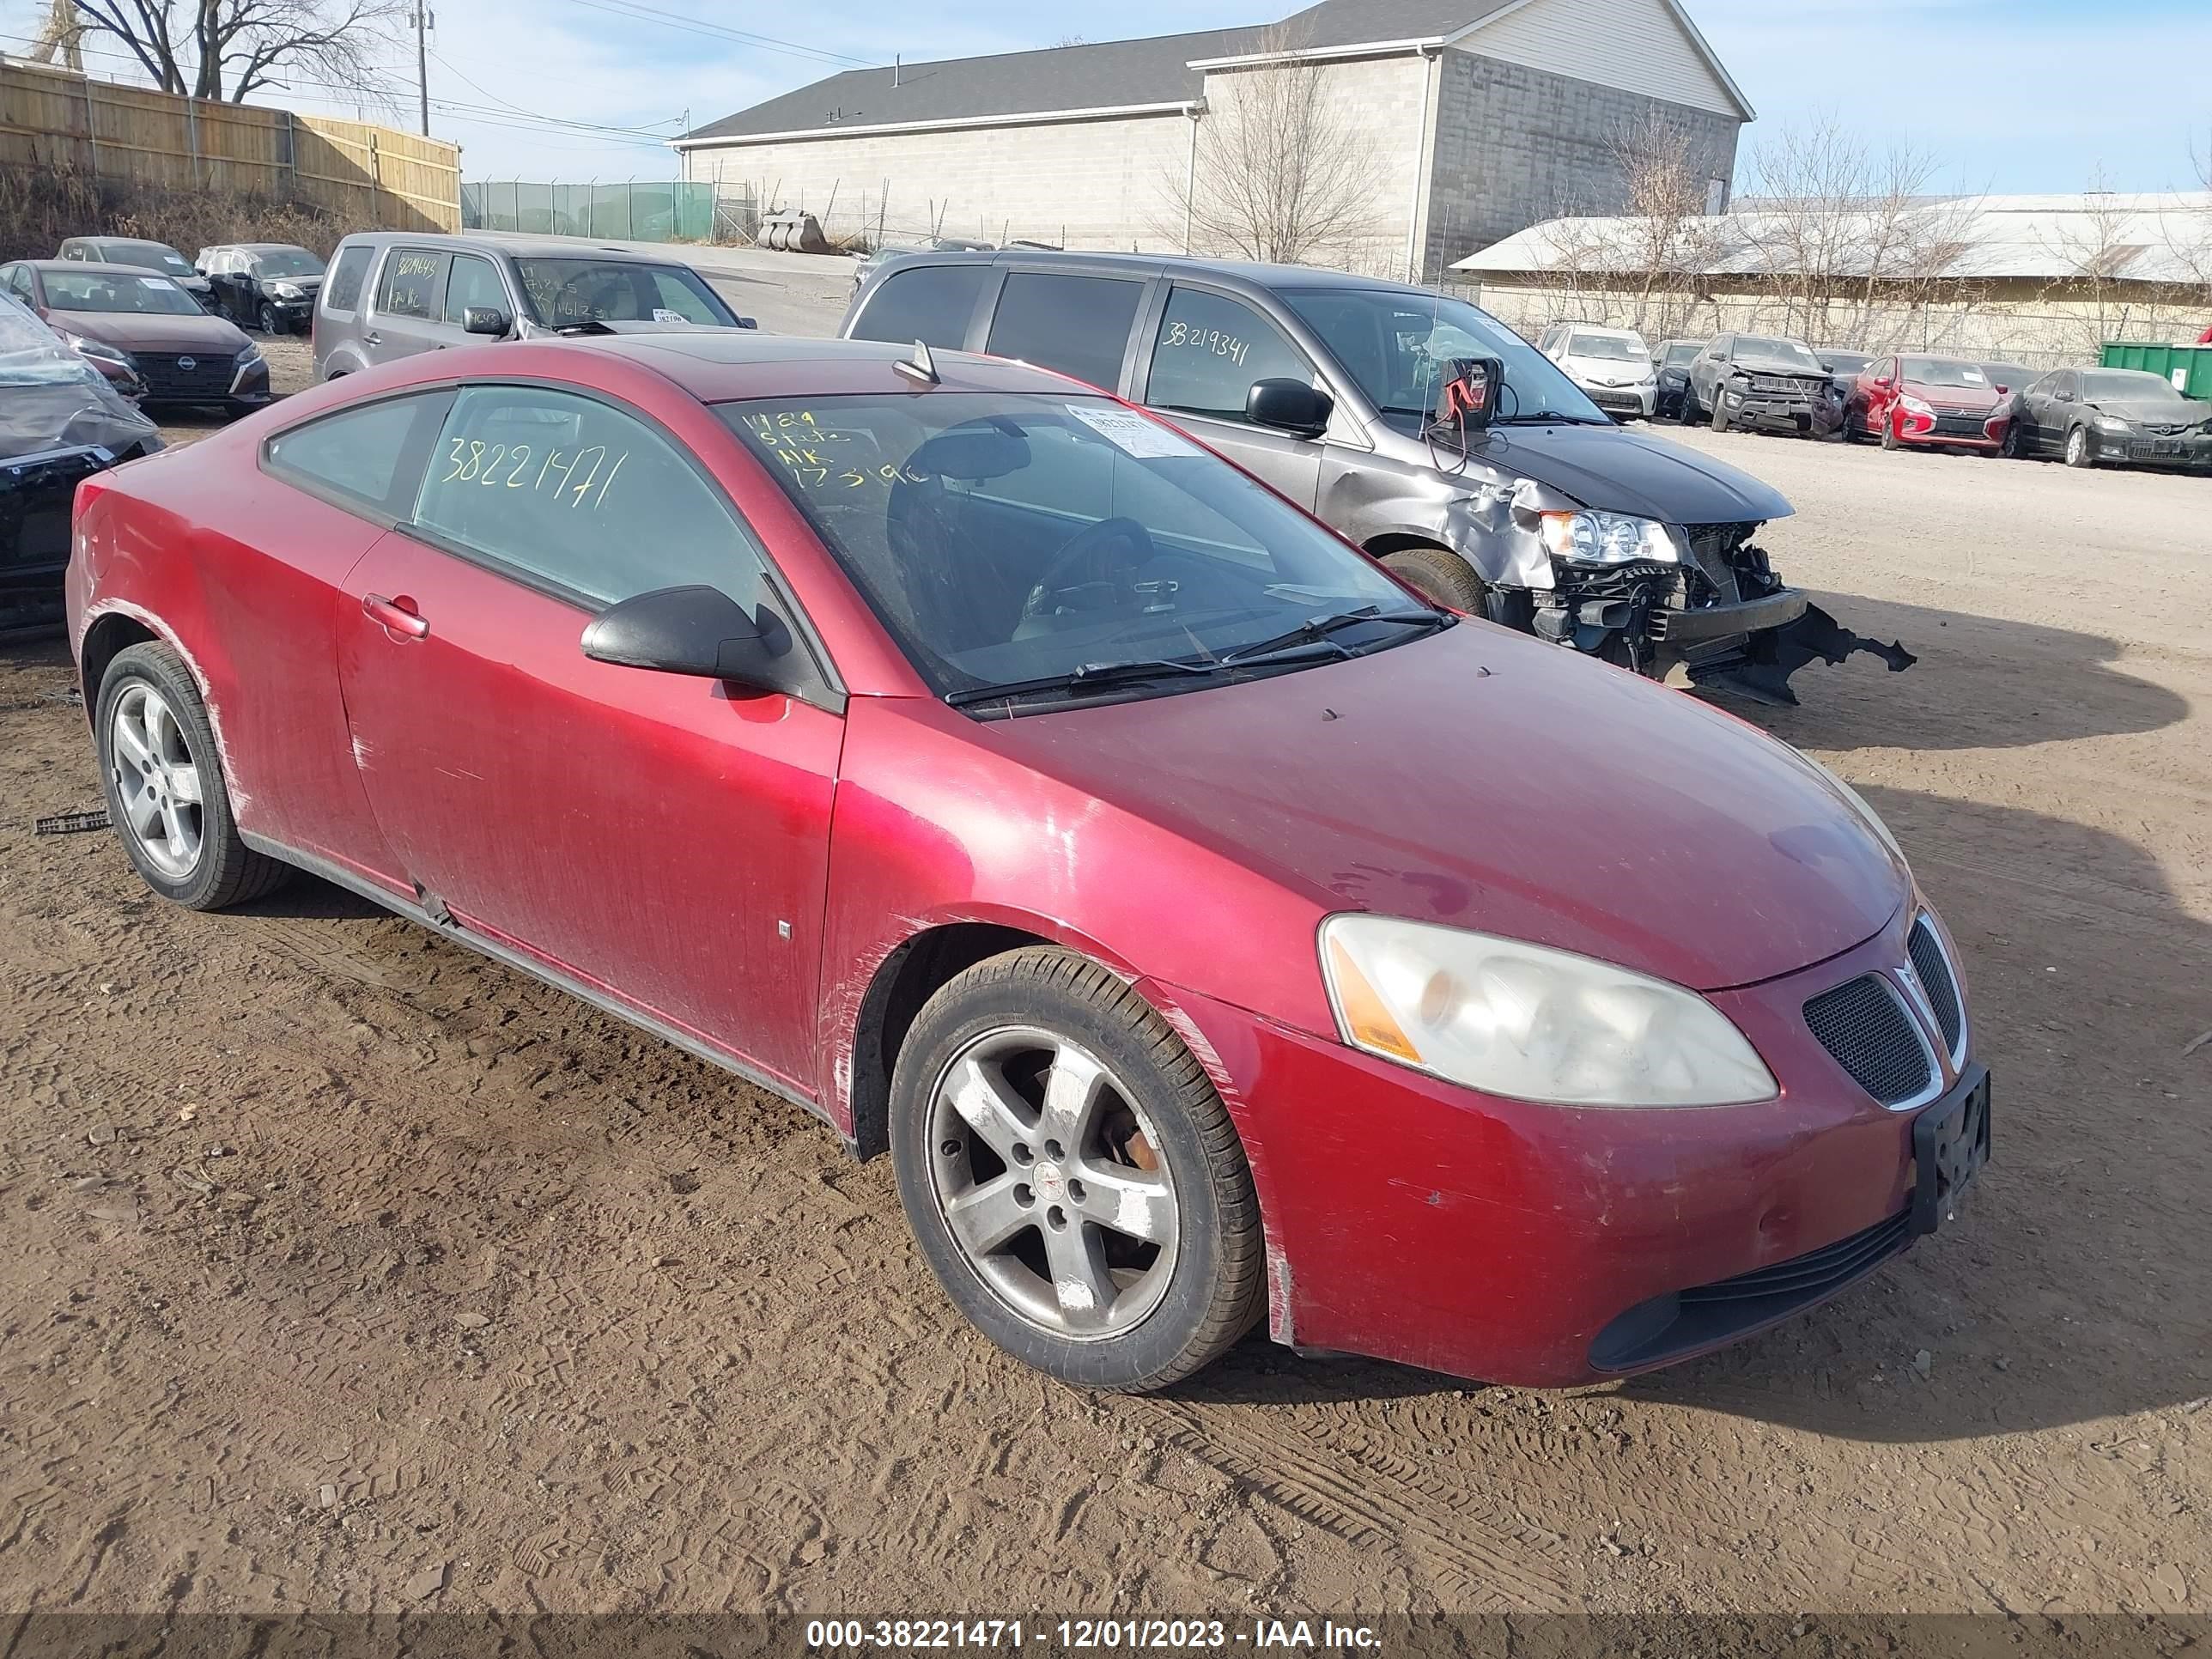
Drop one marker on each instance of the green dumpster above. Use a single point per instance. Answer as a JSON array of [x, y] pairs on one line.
[[2188, 366]]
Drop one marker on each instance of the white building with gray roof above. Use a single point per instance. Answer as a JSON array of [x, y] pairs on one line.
[[1478, 118]]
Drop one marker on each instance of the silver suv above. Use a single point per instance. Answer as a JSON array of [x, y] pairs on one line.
[[391, 294]]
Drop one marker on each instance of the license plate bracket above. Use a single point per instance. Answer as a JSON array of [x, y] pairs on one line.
[[1950, 1143]]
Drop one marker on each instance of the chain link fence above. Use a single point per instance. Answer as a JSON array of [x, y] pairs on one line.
[[633, 211]]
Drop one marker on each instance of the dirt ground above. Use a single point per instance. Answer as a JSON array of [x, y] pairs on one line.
[[345, 1270]]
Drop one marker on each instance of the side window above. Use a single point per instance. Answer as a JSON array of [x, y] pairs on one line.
[[369, 455], [569, 491], [473, 282], [411, 286], [1209, 351], [342, 291], [929, 302], [1077, 325]]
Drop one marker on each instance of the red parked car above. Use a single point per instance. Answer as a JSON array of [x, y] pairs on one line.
[[1926, 403], [1203, 923]]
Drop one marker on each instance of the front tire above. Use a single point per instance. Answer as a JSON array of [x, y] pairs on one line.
[[1889, 440], [1073, 1177], [1720, 416], [165, 795], [1441, 576], [2079, 453], [268, 320]]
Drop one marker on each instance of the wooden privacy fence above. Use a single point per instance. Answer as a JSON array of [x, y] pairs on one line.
[[372, 175]]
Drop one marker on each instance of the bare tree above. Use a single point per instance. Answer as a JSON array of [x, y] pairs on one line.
[[233, 48], [1277, 174], [1668, 238], [62, 35], [1851, 241], [2097, 246]]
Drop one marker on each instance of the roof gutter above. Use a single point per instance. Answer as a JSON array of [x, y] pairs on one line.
[[1315, 54], [1017, 119]]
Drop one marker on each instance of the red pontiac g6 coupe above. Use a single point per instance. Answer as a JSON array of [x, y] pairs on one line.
[[1204, 924]]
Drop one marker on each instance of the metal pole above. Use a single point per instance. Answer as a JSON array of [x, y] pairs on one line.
[[423, 66], [1190, 178]]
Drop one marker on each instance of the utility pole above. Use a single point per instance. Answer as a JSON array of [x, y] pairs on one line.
[[422, 65]]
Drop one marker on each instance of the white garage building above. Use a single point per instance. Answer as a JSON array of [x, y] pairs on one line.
[[1481, 116]]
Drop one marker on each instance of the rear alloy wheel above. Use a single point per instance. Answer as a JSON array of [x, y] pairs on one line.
[[165, 795], [1072, 1176], [2078, 451], [1442, 576]]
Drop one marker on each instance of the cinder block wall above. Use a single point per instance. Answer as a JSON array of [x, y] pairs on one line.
[[1517, 145]]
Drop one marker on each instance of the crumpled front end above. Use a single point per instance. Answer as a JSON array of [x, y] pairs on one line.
[[1722, 614]]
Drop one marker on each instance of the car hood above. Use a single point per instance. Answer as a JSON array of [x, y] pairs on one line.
[[1606, 371], [1977, 398], [1485, 781], [2153, 414], [139, 330], [1616, 469]]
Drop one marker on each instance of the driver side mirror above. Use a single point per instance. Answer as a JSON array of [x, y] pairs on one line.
[[700, 631], [1289, 405], [488, 320]]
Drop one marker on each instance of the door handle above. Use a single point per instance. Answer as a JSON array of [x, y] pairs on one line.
[[372, 338], [396, 615]]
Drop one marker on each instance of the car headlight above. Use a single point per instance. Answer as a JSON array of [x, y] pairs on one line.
[[251, 355], [2106, 423], [285, 290], [99, 352], [1919, 406], [1607, 538], [1858, 803], [1531, 1023]]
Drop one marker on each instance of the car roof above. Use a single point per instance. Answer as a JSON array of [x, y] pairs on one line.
[[520, 248], [1600, 328], [718, 365], [76, 267], [256, 247], [1275, 278], [122, 241]]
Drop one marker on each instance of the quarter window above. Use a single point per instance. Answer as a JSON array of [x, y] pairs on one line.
[[472, 284], [358, 453], [1078, 325], [411, 283], [931, 303], [573, 494], [342, 291], [1209, 351]]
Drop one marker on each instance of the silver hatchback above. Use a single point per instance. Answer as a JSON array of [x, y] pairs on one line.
[[393, 293]]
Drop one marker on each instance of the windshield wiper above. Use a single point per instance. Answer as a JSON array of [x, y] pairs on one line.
[[1081, 679], [1547, 417], [1317, 629]]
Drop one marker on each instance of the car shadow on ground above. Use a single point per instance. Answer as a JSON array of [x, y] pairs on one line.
[[1981, 683]]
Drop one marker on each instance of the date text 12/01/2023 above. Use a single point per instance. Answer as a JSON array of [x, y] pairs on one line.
[[1078, 1635]]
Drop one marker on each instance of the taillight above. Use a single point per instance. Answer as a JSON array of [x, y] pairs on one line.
[[88, 490]]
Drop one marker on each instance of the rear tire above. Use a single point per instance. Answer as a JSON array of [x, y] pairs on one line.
[[1442, 576], [160, 770], [1072, 1176]]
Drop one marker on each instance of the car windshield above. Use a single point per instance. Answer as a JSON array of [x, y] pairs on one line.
[[152, 255], [1941, 371], [1392, 343], [1681, 352], [1790, 356], [564, 292], [91, 289], [31, 354], [2011, 376], [2130, 387], [1844, 362], [1612, 347], [288, 262], [1011, 541]]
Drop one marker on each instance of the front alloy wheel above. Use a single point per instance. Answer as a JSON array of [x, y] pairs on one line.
[[1072, 1176], [2078, 452]]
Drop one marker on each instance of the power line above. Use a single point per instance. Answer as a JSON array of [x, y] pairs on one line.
[[639, 12]]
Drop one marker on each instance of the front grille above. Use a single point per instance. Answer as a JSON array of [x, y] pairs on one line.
[[1668, 1327], [1866, 1030], [1934, 970], [210, 377], [1616, 400], [1960, 426]]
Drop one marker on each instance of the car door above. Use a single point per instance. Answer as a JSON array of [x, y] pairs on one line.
[[1206, 350], [1075, 324], [2050, 404], [1880, 394], [659, 839], [473, 282], [226, 275], [1706, 372], [407, 307]]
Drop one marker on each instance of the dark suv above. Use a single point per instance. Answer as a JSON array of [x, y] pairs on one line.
[[1548, 518]]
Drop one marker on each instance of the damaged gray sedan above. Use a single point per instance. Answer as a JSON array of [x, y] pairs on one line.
[[1527, 504]]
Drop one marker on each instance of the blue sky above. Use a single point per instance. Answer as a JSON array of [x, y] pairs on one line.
[[1972, 81]]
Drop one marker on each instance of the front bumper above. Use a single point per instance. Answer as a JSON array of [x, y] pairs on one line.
[[1769, 411], [1417, 1221], [2191, 452], [1714, 622], [36, 495], [1630, 400]]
